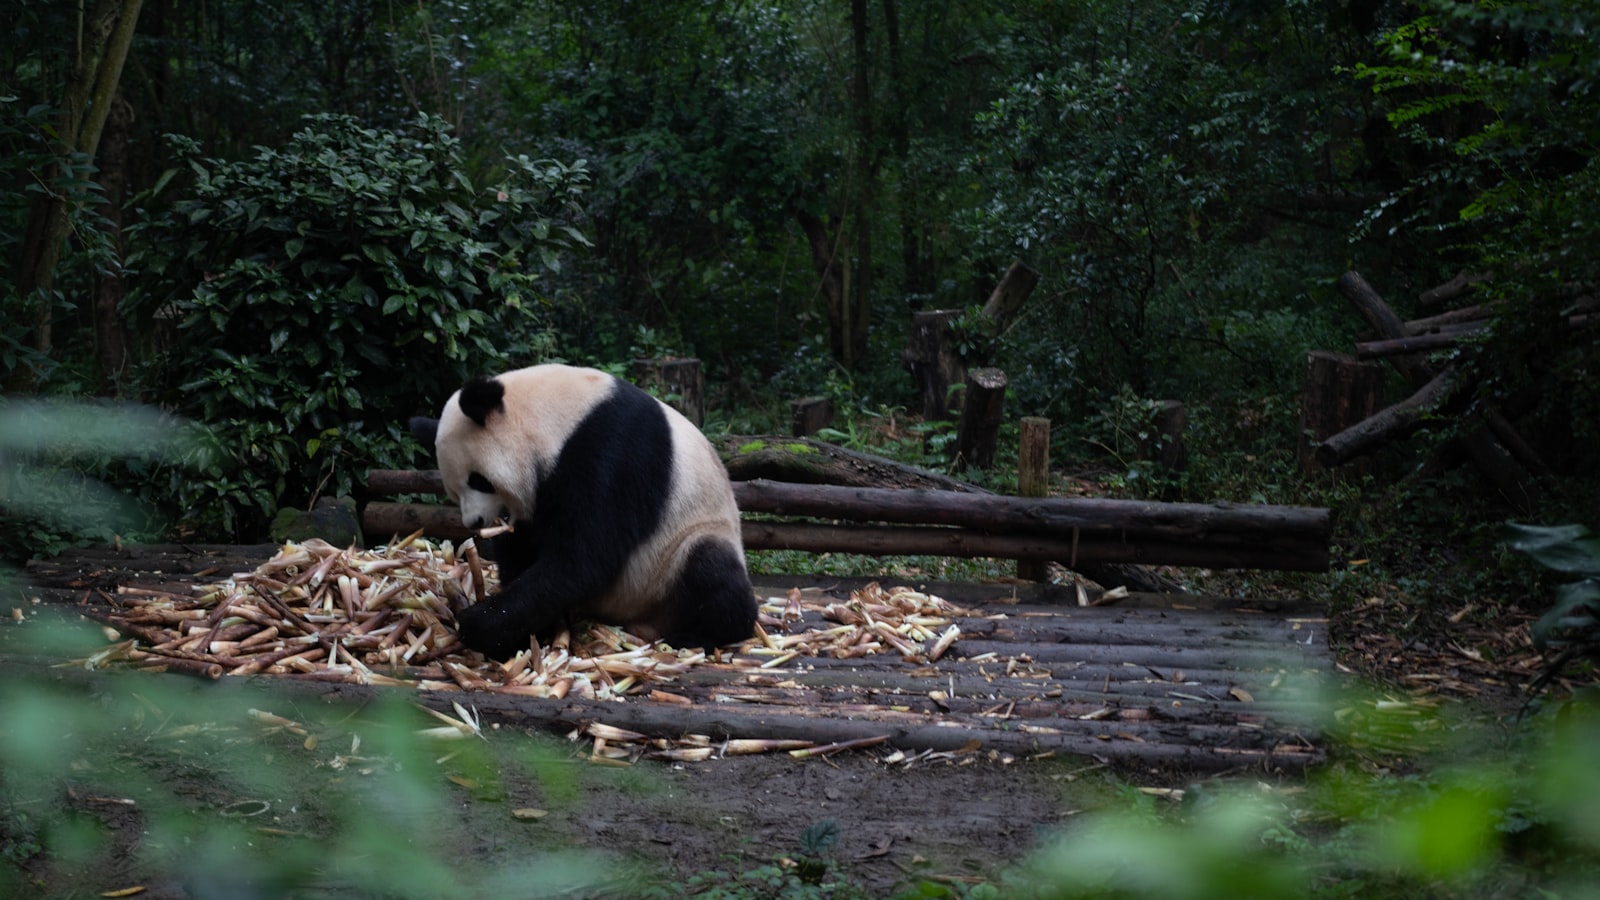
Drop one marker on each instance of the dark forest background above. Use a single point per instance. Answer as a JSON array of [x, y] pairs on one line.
[[289, 226]]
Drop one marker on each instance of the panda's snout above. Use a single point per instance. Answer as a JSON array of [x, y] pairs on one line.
[[480, 521]]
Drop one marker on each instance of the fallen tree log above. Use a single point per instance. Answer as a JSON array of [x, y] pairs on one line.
[[1466, 314], [806, 461], [1446, 336], [1455, 287], [1388, 424]]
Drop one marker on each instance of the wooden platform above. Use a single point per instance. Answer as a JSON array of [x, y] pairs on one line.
[[1216, 687]]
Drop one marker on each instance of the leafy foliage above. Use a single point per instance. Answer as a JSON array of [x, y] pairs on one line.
[[1572, 625], [1500, 103], [323, 291], [1136, 177]]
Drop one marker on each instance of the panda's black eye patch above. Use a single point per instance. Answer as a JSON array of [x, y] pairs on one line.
[[480, 484]]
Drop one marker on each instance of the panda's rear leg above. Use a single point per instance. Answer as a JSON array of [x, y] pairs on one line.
[[712, 603]]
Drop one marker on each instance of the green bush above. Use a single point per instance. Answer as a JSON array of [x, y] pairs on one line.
[[321, 292]]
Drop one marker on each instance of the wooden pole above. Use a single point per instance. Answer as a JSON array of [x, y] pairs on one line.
[[1033, 480]]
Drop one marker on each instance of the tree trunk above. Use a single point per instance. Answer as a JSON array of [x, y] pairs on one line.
[[1164, 441], [833, 277], [809, 415], [111, 333], [1455, 287], [1389, 424], [1445, 336], [856, 319], [86, 102]]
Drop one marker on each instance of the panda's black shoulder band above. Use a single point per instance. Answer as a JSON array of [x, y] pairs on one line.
[[481, 396]]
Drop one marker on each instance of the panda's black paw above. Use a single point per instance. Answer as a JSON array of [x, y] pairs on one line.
[[488, 630]]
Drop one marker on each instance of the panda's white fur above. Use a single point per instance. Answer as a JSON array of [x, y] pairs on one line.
[[610, 460]]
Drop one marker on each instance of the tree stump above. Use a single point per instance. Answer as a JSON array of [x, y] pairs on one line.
[[1163, 441], [931, 356], [982, 410], [1339, 392], [809, 415], [677, 381]]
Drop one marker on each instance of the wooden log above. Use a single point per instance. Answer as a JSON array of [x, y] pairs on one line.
[[982, 411], [1065, 517], [1382, 319], [1077, 533], [1446, 336], [388, 482], [931, 356], [1007, 299], [889, 540], [676, 380], [1451, 289], [808, 461], [1339, 392], [382, 520], [904, 730], [1033, 479], [809, 415], [1464, 315], [1515, 444], [1388, 424]]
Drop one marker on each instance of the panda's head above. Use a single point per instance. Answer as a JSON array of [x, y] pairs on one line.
[[486, 468]]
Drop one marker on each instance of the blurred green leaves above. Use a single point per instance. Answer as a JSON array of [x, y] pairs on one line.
[[50, 450], [352, 800]]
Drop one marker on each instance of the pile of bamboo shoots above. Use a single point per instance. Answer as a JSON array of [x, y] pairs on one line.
[[387, 617]]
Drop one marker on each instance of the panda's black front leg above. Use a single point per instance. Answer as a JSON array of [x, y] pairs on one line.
[[502, 625], [546, 579]]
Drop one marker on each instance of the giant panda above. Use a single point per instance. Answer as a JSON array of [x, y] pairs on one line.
[[622, 511]]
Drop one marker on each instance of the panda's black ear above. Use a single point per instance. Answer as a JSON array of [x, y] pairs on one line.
[[481, 396], [425, 430]]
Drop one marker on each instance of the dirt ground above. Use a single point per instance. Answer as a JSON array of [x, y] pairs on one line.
[[187, 796]]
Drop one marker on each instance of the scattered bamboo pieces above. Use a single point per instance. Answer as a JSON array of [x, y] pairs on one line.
[[387, 617], [382, 617]]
